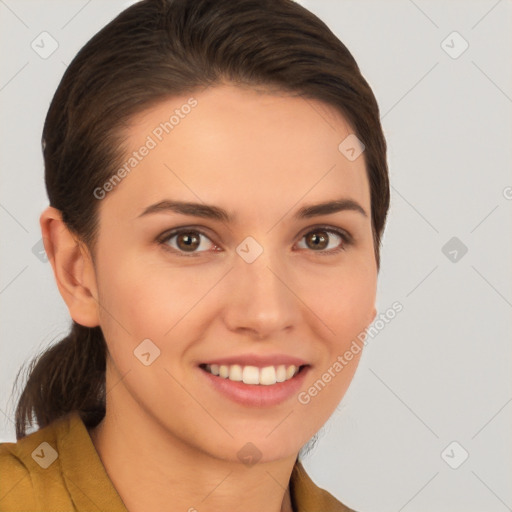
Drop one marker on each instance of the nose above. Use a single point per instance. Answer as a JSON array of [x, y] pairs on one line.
[[260, 300]]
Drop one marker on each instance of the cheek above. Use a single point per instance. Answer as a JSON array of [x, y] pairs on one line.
[[346, 308], [145, 299], [148, 299], [135, 300], [348, 301]]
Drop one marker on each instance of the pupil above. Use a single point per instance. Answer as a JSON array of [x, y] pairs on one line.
[[318, 240], [188, 241]]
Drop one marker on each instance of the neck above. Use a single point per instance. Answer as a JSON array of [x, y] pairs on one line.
[[153, 470]]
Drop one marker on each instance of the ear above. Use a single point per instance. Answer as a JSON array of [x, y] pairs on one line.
[[72, 267], [371, 316]]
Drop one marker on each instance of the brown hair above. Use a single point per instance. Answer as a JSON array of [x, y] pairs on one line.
[[151, 51]]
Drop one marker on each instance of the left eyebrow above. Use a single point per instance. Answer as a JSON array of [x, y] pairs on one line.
[[214, 212], [329, 207], [195, 209]]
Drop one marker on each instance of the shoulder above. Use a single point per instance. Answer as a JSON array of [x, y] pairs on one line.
[[16, 490], [307, 496], [30, 471]]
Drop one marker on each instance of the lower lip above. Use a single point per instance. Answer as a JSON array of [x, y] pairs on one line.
[[257, 395]]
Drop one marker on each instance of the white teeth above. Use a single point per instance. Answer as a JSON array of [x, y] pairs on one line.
[[235, 372], [252, 374], [290, 372], [281, 373], [268, 376]]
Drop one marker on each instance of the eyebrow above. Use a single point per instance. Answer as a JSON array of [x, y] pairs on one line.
[[214, 212]]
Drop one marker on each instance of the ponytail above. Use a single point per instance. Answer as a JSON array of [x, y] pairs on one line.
[[68, 376]]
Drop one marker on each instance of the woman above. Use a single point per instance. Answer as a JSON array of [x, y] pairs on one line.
[[218, 190]]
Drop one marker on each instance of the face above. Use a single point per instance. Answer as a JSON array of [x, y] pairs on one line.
[[243, 278]]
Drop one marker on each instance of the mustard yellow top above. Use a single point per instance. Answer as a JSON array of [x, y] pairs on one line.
[[57, 469]]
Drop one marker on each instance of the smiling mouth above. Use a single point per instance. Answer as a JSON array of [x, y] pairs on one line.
[[254, 375]]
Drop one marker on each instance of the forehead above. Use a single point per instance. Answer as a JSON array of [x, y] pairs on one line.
[[239, 147]]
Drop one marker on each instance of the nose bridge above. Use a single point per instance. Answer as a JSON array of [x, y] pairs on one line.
[[261, 300], [260, 276]]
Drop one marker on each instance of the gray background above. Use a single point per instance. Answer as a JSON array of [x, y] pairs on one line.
[[440, 371]]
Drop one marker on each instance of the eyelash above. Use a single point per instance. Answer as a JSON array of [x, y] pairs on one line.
[[346, 238]]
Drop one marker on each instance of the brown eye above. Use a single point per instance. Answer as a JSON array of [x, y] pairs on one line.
[[186, 242], [319, 239], [316, 240]]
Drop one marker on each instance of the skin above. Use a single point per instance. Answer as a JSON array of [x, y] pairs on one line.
[[261, 155]]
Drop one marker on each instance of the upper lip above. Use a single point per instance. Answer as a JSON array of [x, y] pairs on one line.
[[258, 360]]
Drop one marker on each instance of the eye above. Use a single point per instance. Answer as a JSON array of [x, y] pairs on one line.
[[187, 241], [320, 237]]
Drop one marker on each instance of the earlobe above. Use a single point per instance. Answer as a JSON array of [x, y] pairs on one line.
[[72, 267]]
